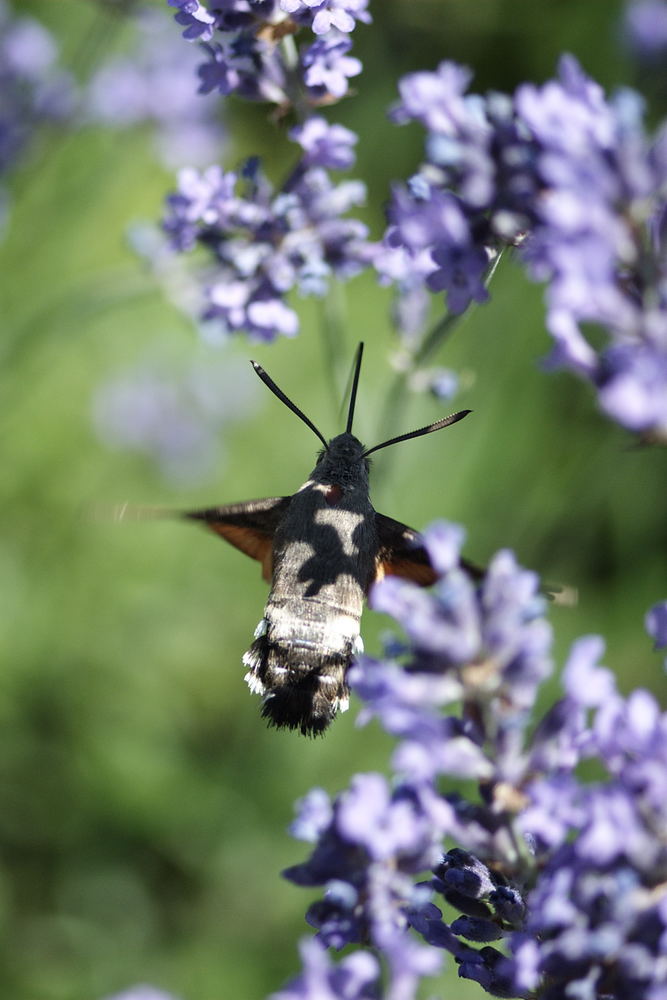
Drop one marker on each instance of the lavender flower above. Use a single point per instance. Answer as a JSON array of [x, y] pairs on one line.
[[656, 624], [265, 243], [322, 15], [369, 843], [597, 915], [173, 417], [574, 179], [195, 18], [354, 978], [325, 145], [245, 55], [153, 83], [645, 28], [567, 874], [327, 67], [232, 68], [33, 90]]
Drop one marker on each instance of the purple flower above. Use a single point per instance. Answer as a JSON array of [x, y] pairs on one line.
[[373, 824], [436, 100], [378, 837], [29, 50], [428, 220], [323, 15], [325, 145], [586, 683], [656, 624], [443, 383], [645, 28], [444, 542], [34, 92], [460, 266], [592, 924], [200, 199], [243, 55], [153, 83], [173, 416], [314, 814], [354, 978], [385, 825], [447, 625], [245, 65], [573, 178], [632, 384], [264, 244], [483, 642], [567, 871], [221, 72], [599, 173], [327, 66], [195, 18]]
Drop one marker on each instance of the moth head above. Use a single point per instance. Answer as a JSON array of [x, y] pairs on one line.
[[343, 460], [344, 448]]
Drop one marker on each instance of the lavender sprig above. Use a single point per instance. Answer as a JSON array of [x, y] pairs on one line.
[[34, 91], [243, 45], [174, 415], [645, 29], [573, 179], [354, 978], [567, 874], [153, 82], [263, 242], [266, 242]]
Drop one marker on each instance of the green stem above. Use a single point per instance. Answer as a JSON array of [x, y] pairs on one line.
[[394, 407], [332, 329]]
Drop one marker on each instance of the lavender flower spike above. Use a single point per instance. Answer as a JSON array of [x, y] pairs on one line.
[[195, 18], [266, 243], [354, 978], [656, 624], [324, 15], [572, 177]]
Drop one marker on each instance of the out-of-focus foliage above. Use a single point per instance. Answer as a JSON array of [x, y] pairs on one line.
[[143, 805]]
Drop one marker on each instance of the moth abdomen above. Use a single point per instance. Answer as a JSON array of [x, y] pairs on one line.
[[302, 684]]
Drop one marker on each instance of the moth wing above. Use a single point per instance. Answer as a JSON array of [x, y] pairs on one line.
[[402, 553], [248, 526]]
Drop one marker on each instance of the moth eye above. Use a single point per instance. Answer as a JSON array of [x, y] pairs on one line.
[[333, 495]]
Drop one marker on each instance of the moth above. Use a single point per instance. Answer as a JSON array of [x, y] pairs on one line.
[[321, 549]]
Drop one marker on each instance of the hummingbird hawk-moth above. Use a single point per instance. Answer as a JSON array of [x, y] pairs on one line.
[[320, 549]]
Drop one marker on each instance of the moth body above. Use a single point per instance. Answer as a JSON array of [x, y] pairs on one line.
[[320, 549], [324, 560]]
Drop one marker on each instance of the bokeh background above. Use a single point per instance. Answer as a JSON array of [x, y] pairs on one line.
[[143, 805]]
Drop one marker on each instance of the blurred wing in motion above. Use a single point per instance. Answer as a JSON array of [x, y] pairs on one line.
[[248, 526]]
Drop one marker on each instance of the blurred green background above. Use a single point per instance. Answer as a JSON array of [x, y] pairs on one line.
[[143, 804]]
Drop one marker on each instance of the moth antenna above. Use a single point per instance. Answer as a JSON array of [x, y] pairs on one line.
[[444, 422], [267, 380], [355, 384]]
